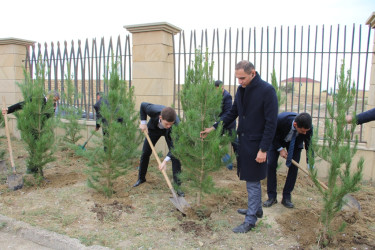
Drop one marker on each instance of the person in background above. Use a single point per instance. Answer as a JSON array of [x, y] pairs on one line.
[[226, 105]]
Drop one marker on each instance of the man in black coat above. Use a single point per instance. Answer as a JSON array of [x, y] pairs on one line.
[[226, 105], [160, 124], [363, 117], [290, 127], [256, 107]]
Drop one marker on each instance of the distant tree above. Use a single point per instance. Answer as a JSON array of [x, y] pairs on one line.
[[36, 122], [114, 155], [337, 152], [71, 115], [201, 103], [280, 98]]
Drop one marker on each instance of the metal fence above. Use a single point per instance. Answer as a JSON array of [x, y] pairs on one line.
[[306, 61], [89, 64]]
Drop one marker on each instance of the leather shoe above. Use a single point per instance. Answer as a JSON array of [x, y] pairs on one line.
[[269, 202], [259, 213], [287, 203], [139, 182], [180, 193], [243, 228]]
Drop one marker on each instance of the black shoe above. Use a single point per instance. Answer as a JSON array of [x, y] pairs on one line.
[[287, 203], [180, 193], [259, 213], [269, 202], [243, 228], [139, 182]]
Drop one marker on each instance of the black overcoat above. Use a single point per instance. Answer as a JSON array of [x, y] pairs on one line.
[[256, 108]]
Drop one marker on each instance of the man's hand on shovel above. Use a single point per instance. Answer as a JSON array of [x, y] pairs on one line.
[[163, 166], [143, 127]]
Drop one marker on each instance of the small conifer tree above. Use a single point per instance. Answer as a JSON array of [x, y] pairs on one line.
[[70, 113], [201, 103], [280, 98], [36, 122], [337, 152], [113, 156]]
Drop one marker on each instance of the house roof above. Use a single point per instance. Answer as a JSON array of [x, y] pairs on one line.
[[300, 79]]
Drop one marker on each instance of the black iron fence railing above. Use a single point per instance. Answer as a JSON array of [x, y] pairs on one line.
[[306, 61], [88, 64]]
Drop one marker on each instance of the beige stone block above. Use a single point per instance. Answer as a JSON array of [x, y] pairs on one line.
[[8, 86], [12, 60], [147, 70], [13, 49], [152, 37], [11, 73], [153, 87], [152, 53], [162, 100]]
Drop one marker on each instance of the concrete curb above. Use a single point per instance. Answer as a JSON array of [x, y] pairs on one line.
[[41, 236]]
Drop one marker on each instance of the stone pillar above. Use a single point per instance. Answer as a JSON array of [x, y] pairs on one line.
[[153, 66], [12, 60], [370, 126]]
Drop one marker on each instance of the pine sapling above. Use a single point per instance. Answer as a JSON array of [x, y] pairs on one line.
[[336, 150], [36, 122], [115, 153], [70, 114], [201, 103]]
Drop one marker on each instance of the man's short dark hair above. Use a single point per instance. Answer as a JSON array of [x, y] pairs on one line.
[[247, 66], [304, 120], [168, 114], [218, 83]]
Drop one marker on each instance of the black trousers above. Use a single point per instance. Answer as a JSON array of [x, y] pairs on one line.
[[273, 156], [155, 135]]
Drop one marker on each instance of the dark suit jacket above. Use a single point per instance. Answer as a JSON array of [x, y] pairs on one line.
[[284, 125], [256, 108], [366, 116], [153, 111], [226, 105], [99, 118]]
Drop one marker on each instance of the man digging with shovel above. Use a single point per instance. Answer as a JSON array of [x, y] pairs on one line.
[[160, 124]]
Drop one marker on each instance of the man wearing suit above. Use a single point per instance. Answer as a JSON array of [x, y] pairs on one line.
[[226, 105], [256, 107], [363, 117], [292, 131], [160, 124]]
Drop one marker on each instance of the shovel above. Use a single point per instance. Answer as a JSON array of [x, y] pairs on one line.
[[84, 145], [349, 201], [179, 202], [15, 181]]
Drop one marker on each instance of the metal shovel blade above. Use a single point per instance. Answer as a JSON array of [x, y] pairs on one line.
[[15, 181], [180, 203], [350, 203]]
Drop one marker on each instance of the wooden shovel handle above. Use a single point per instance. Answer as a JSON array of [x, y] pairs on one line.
[[306, 172], [8, 138], [159, 162]]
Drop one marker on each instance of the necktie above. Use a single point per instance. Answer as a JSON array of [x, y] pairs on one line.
[[291, 149]]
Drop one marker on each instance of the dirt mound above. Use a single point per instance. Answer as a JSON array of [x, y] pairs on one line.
[[304, 224]]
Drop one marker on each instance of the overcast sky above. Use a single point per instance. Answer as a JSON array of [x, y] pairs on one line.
[[55, 20]]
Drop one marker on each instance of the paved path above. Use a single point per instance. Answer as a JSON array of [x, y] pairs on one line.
[[22, 236]]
